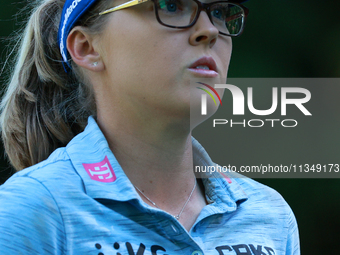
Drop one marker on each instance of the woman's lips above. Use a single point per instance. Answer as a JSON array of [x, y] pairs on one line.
[[207, 62]]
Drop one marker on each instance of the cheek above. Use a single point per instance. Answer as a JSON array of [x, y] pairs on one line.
[[224, 46], [143, 72], [144, 60]]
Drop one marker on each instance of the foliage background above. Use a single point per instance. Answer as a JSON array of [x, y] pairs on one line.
[[283, 38]]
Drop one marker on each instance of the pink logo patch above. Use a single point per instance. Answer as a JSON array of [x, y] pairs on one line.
[[101, 171], [227, 178]]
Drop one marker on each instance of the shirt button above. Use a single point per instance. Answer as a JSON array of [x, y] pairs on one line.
[[197, 253], [174, 228]]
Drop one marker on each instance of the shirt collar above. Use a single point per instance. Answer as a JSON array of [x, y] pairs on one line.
[[100, 171], [219, 187], [104, 178]]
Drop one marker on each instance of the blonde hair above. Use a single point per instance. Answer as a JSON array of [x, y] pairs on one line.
[[44, 107]]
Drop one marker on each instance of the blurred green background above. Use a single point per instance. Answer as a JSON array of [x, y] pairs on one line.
[[282, 38]]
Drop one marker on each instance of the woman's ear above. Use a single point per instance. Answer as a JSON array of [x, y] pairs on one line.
[[81, 47]]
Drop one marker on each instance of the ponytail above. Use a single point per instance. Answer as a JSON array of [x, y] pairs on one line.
[[44, 107]]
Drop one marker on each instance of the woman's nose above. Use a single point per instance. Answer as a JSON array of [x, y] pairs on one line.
[[203, 31]]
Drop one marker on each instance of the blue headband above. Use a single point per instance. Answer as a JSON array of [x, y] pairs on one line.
[[72, 11]]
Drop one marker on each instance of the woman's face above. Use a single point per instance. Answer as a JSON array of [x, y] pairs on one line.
[[147, 65]]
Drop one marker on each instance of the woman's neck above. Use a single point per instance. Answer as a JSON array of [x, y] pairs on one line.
[[158, 160]]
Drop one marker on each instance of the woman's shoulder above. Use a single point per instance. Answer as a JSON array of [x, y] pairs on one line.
[[261, 200], [266, 204], [58, 163], [40, 182], [29, 211], [261, 193]]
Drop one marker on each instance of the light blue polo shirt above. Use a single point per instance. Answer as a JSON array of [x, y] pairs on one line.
[[79, 201]]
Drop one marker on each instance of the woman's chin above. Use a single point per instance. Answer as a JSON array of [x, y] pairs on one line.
[[199, 115]]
